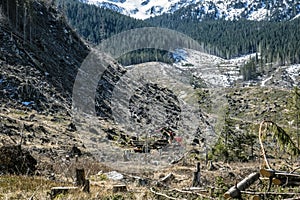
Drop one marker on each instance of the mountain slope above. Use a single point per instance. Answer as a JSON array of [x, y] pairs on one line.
[[207, 9]]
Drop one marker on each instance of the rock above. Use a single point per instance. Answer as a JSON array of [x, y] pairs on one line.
[[75, 151], [113, 175], [71, 127]]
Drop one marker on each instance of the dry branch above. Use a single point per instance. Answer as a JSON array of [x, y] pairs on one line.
[[262, 145], [269, 193], [161, 194], [235, 191], [193, 193], [282, 138], [293, 198]]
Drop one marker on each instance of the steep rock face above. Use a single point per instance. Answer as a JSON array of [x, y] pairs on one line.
[[39, 59], [36, 34]]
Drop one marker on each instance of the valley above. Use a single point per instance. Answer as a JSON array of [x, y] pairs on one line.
[[176, 124]]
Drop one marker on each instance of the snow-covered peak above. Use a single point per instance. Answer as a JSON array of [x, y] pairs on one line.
[[227, 9], [142, 9]]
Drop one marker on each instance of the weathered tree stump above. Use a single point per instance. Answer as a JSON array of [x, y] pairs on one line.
[[81, 181], [119, 188], [197, 177], [80, 177]]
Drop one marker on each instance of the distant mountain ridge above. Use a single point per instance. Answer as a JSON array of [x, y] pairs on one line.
[[275, 10]]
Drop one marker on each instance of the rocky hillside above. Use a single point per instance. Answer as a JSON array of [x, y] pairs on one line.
[[41, 55], [39, 58]]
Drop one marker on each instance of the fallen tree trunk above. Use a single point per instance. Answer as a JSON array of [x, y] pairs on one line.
[[235, 191], [281, 177], [273, 173]]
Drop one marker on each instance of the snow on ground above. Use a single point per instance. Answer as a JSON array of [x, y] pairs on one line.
[[258, 15], [218, 72], [263, 82], [215, 71], [297, 16], [143, 9], [242, 59], [230, 10], [293, 71]]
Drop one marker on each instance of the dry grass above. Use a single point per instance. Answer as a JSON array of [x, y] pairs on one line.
[[24, 187]]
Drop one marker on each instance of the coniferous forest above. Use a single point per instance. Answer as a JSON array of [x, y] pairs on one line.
[[277, 42]]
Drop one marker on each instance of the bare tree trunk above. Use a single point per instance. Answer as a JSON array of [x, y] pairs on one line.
[[235, 191], [81, 181], [24, 22]]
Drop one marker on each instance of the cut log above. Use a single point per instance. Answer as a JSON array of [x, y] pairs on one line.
[[119, 188], [235, 191], [60, 190], [281, 177], [273, 173], [267, 172], [291, 181], [256, 197]]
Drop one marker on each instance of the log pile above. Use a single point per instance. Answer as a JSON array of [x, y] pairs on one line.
[[279, 178]]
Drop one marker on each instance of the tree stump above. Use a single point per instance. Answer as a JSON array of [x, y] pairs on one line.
[[197, 177], [81, 181], [80, 177]]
